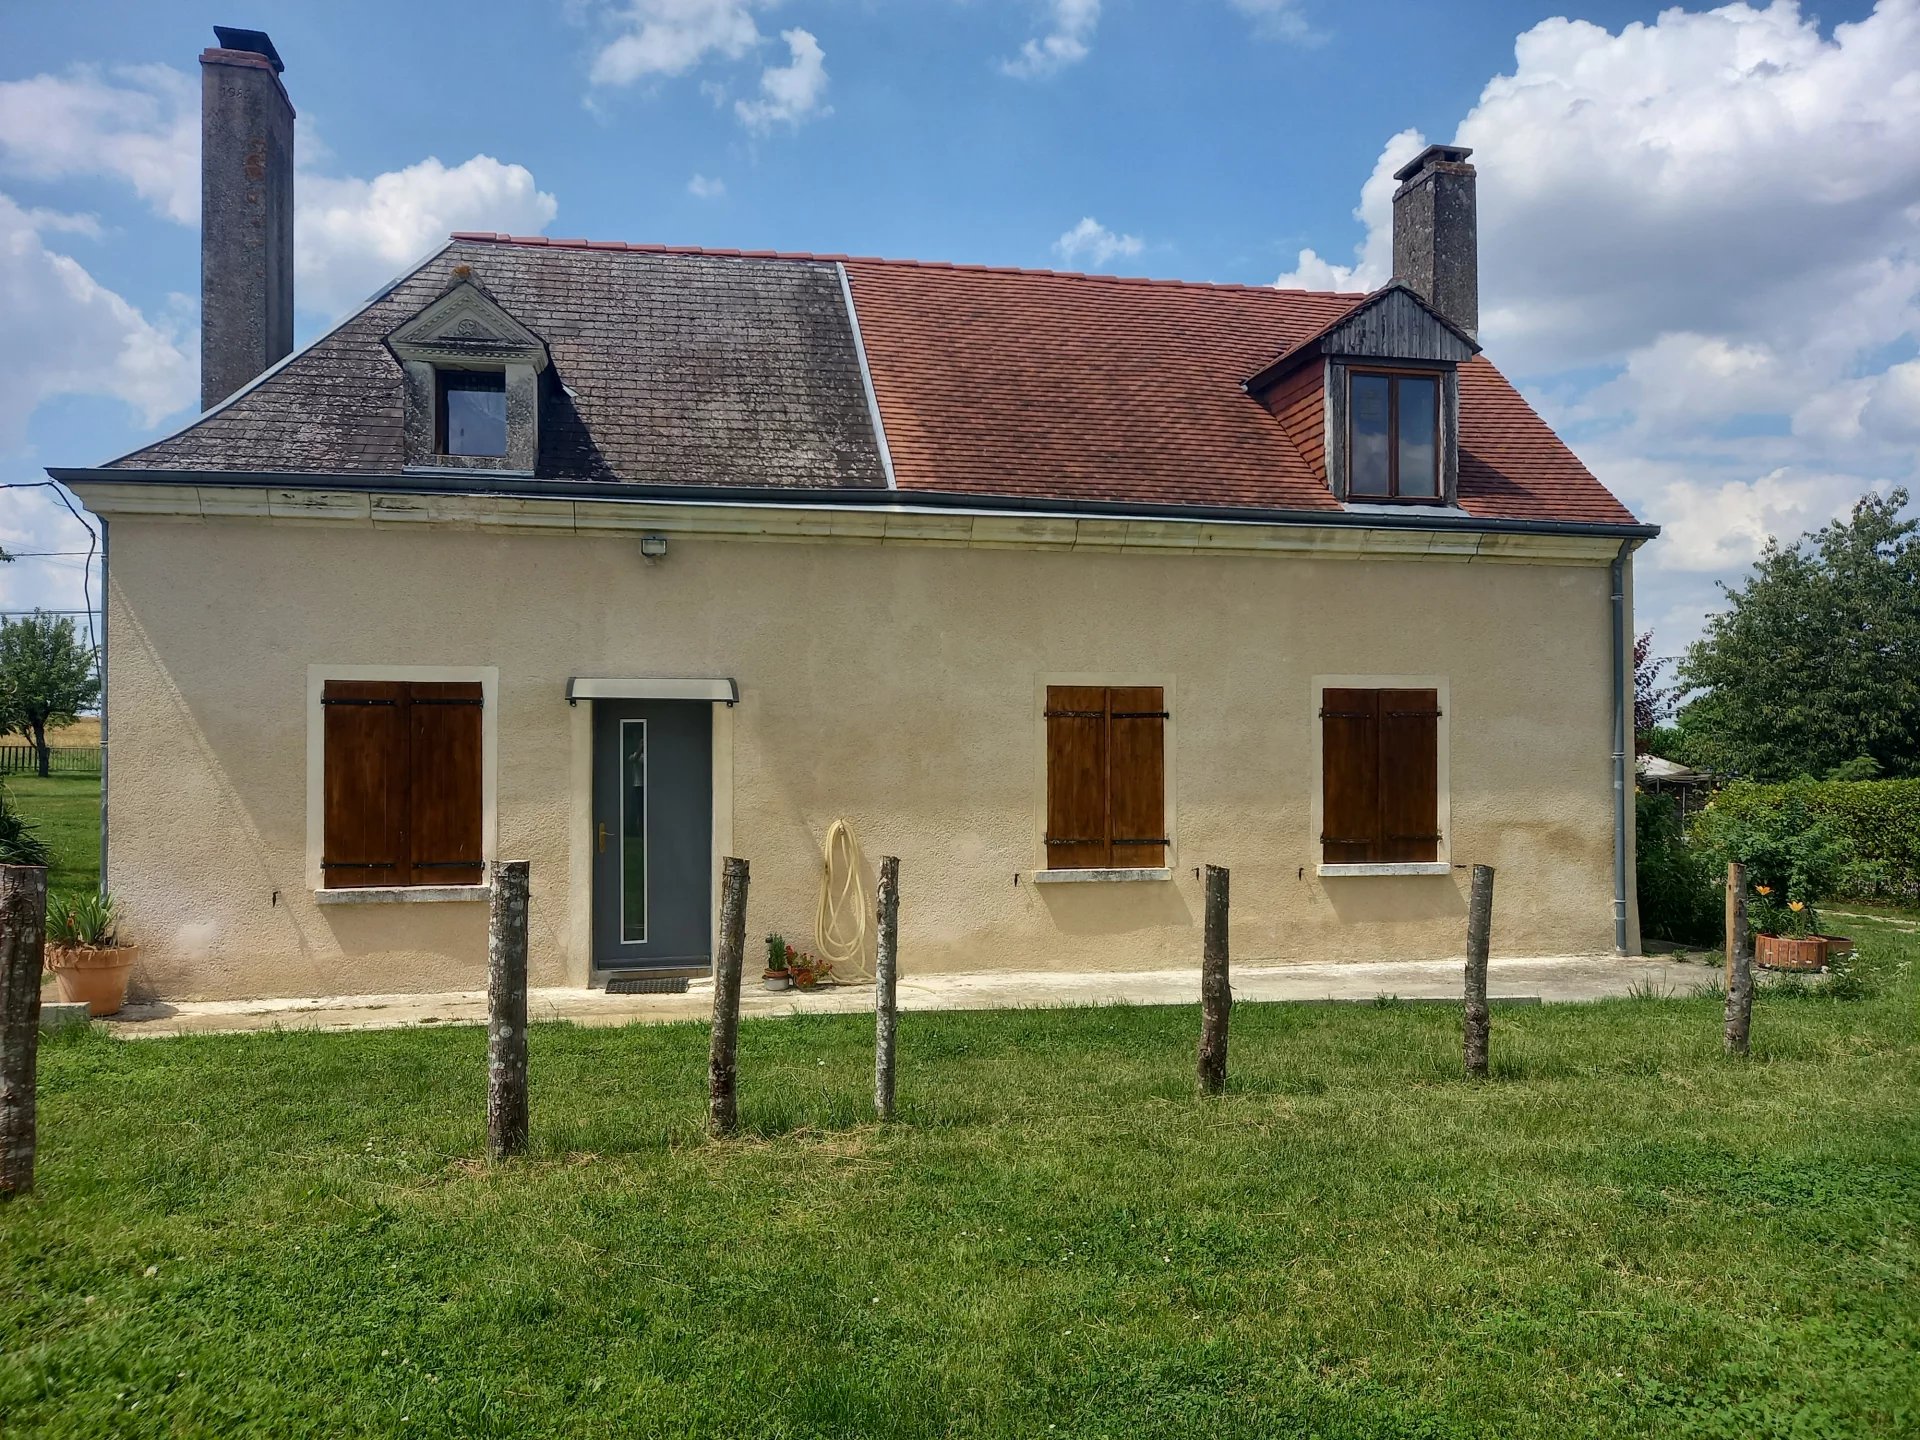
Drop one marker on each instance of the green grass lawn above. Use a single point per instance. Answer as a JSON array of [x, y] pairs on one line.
[[1621, 1234], [65, 812]]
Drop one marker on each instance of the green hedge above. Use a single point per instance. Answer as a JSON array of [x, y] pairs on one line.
[[1876, 821]]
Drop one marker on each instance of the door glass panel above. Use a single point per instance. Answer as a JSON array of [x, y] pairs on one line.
[[1419, 419], [1367, 452], [633, 832]]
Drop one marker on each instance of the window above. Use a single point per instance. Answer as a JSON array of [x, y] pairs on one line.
[[472, 412], [1394, 436], [402, 783], [1106, 797], [1379, 772]]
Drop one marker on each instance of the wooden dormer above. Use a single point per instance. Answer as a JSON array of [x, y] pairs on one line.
[[1372, 400]]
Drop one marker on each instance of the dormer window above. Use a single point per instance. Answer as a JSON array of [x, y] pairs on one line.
[[472, 383], [1372, 401], [1394, 446], [472, 407]]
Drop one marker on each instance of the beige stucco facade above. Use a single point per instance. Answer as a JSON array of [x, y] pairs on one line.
[[898, 685]]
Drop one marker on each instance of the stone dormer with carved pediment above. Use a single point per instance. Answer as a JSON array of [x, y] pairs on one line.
[[472, 383], [1373, 400]]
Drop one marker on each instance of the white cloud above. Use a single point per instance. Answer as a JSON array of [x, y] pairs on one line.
[[1277, 19], [351, 236], [703, 187], [1373, 257], [1702, 236], [671, 37], [1066, 43], [789, 93], [1091, 243], [141, 126], [69, 335]]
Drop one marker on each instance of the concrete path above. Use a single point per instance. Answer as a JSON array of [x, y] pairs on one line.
[[1564, 978]]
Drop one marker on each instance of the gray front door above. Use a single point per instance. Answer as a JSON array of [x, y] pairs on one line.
[[652, 834]]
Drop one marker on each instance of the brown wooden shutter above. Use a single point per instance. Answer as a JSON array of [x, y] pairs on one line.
[[364, 831], [446, 784], [1350, 831], [1077, 827], [1136, 760], [1409, 775]]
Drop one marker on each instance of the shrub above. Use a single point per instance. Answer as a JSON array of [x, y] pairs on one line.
[[1876, 824], [1791, 853], [19, 845], [1680, 896]]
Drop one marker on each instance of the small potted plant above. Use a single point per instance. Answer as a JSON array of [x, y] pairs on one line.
[[777, 976], [1786, 932], [808, 969], [84, 952]]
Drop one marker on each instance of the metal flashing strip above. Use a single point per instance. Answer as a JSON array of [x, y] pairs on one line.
[[866, 377], [723, 690]]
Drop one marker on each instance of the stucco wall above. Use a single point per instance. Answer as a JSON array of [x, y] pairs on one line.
[[895, 686]]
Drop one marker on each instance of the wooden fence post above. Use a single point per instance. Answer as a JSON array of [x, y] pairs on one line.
[[1216, 994], [1477, 1024], [886, 974], [1739, 1017], [723, 1074], [23, 935], [507, 1011]]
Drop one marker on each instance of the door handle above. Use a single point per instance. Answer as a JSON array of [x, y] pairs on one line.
[[603, 837]]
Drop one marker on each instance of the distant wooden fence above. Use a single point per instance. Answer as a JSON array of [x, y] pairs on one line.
[[61, 760]]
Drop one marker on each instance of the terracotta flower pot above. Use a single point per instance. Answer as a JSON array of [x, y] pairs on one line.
[[96, 974], [1790, 952]]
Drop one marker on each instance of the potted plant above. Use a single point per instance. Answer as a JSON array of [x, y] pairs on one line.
[[1786, 932], [777, 976], [808, 969], [84, 952]]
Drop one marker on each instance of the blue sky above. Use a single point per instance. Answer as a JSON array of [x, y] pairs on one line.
[[1699, 251]]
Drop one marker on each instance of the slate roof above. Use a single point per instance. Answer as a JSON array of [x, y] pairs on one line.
[[669, 368], [741, 368]]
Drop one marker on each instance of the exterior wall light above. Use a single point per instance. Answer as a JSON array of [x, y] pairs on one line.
[[652, 547]]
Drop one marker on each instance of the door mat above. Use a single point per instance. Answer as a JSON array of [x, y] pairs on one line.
[[646, 985]]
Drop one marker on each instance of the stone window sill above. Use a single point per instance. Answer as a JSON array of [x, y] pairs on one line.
[[401, 894], [1084, 877], [1402, 867]]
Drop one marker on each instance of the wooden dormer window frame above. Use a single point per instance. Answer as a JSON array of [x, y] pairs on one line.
[[1338, 432], [1396, 491]]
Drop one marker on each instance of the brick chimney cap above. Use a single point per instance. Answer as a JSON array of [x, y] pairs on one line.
[[1431, 156], [253, 41]]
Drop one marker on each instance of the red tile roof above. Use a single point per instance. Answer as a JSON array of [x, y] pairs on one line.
[[1044, 384]]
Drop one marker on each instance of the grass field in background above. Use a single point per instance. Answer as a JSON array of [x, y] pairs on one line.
[[65, 811], [1623, 1233]]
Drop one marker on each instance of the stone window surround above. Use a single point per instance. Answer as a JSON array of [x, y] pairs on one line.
[[466, 330]]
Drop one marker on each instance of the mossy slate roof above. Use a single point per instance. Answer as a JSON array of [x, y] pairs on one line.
[[730, 368]]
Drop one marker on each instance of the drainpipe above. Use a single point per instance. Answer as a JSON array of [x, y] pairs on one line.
[[1620, 792], [101, 661]]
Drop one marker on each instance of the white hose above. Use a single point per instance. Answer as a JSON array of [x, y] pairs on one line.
[[840, 924]]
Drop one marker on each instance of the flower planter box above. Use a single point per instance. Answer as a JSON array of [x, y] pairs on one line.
[[1790, 952]]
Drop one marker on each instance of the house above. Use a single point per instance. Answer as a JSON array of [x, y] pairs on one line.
[[618, 558]]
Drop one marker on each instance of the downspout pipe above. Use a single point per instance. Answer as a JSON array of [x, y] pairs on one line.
[[1621, 794], [105, 712]]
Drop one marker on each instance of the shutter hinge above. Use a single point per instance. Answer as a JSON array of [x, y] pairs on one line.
[[1076, 714], [447, 700], [350, 700], [358, 864], [1162, 840], [1141, 715], [448, 864]]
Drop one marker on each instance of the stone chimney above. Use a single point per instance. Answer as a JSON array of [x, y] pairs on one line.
[[1436, 242], [246, 212]]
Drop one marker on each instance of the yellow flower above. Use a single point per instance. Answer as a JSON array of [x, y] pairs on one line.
[[1796, 905], [1764, 889]]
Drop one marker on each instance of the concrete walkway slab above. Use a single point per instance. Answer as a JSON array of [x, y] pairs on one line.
[[1548, 979]]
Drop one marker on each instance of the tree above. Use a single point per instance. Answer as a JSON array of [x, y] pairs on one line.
[[1814, 667], [47, 677], [1652, 701]]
